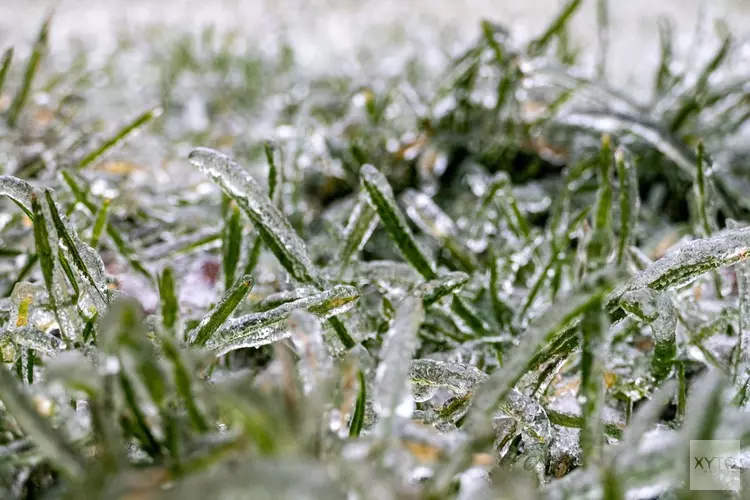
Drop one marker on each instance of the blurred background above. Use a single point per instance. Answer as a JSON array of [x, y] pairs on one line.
[[327, 33]]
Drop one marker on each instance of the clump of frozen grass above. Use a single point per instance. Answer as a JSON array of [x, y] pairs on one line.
[[502, 287]]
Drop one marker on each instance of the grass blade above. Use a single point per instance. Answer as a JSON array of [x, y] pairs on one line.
[[231, 245], [119, 136], [595, 347], [273, 227], [557, 25], [360, 226], [100, 223], [391, 388], [169, 305], [382, 200], [681, 266], [81, 193], [5, 63], [219, 314], [629, 202], [358, 419], [257, 329], [77, 250], [49, 440], [32, 66]]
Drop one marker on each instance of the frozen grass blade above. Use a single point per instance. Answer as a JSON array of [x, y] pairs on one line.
[[574, 421], [19, 191], [358, 419], [84, 257], [32, 67], [5, 63], [629, 202], [434, 290], [600, 241], [680, 267], [391, 392], [459, 378], [274, 175], [100, 223], [273, 227], [184, 382], [49, 440], [257, 329], [221, 312], [231, 245], [554, 29], [119, 136], [595, 347], [699, 190], [382, 200], [81, 193], [433, 221], [657, 309], [169, 304], [360, 226]]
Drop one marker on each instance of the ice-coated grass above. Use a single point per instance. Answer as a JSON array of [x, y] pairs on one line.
[[504, 279]]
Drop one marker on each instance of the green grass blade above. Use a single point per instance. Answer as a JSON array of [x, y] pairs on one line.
[[274, 228], [75, 247], [32, 67], [184, 383], [257, 329], [5, 63], [595, 347], [434, 290], [681, 266], [50, 441], [554, 320], [360, 226], [600, 241], [627, 175], [557, 25], [274, 175], [81, 193], [391, 380], [231, 245], [119, 136], [169, 305], [358, 419], [100, 223], [221, 312], [384, 203], [574, 421]]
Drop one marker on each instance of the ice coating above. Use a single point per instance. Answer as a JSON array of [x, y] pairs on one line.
[[681, 266], [257, 329], [277, 233], [382, 200], [392, 395], [458, 377], [307, 336]]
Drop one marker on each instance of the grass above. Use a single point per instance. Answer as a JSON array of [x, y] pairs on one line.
[[507, 280]]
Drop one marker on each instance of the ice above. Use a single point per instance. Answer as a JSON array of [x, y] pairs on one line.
[[307, 336], [459, 378], [277, 232], [257, 329], [392, 394]]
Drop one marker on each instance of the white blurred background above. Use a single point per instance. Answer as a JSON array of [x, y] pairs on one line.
[[328, 32]]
